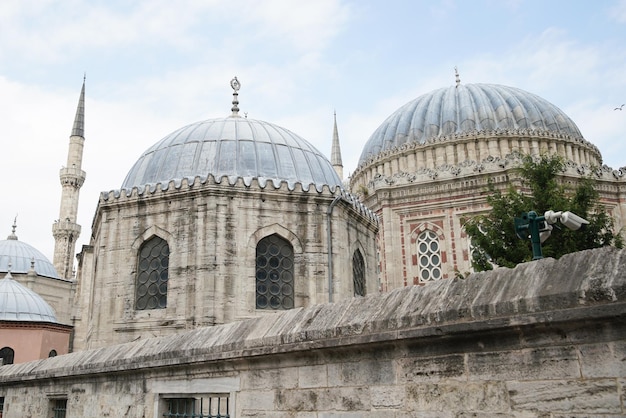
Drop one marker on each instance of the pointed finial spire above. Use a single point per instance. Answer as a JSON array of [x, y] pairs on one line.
[[8, 276], [335, 154], [456, 75], [236, 85], [13, 228], [79, 120]]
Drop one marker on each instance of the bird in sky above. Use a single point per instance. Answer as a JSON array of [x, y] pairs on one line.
[[619, 108]]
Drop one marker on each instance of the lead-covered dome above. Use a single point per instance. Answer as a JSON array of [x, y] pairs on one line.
[[18, 256], [468, 108], [19, 303], [235, 147]]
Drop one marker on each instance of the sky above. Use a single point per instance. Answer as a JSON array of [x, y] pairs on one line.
[[153, 66]]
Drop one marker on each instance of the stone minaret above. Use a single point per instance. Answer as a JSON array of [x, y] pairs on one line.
[[65, 230], [335, 154]]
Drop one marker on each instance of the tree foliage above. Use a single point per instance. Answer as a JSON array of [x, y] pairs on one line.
[[493, 234]]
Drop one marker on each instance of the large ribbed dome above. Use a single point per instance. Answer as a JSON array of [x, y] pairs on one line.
[[235, 147], [468, 108], [17, 256], [19, 303]]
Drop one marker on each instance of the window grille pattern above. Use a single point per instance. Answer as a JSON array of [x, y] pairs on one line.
[[59, 408], [358, 273], [429, 256], [216, 406], [274, 273], [152, 274], [6, 355]]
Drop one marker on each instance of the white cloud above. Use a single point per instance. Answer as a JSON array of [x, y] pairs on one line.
[[51, 30], [307, 26], [618, 12]]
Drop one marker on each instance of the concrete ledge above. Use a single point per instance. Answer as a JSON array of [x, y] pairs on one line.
[[584, 286]]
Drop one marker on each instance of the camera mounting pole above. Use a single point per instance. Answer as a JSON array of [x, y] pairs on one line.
[[538, 228], [530, 223]]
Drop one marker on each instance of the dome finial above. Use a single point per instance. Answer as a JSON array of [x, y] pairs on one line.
[[13, 228], [456, 75], [236, 85]]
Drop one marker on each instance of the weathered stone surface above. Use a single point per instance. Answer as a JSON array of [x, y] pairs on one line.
[[272, 378], [336, 399], [420, 369], [388, 397], [536, 363], [212, 228], [256, 400], [601, 360], [313, 376], [413, 312], [405, 356], [457, 396], [581, 396], [365, 372]]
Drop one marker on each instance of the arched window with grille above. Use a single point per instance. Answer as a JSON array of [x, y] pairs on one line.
[[7, 354], [152, 274], [358, 273], [429, 256], [274, 273]]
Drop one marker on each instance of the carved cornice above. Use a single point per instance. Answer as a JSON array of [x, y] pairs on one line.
[[524, 134], [240, 184], [490, 165]]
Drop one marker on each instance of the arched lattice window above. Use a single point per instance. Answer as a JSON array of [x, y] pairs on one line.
[[152, 274], [429, 256], [274, 273], [358, 273], [6, 355], [53, 353]]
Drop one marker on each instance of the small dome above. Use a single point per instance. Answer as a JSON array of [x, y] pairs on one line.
[[19, 256], [469, 108], [19, 303], [235, 147]]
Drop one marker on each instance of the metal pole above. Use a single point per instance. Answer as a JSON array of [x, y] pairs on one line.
[[535, 239]]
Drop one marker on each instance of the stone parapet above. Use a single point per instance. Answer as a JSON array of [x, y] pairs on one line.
[[546, 337], [586, 285]]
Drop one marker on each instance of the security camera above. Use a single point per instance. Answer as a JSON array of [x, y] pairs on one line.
[[569, 219], [552, 217], [544, 232], [572, 221]]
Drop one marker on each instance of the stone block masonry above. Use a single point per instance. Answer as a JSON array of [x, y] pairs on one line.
[[546, 339]]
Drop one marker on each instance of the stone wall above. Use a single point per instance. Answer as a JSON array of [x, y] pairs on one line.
[[212, 231], [429, 192], [546, 339]]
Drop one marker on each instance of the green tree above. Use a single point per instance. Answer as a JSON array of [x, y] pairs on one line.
[[493, 234]]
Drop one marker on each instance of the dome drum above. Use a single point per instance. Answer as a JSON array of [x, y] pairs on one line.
[[466, 151]]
